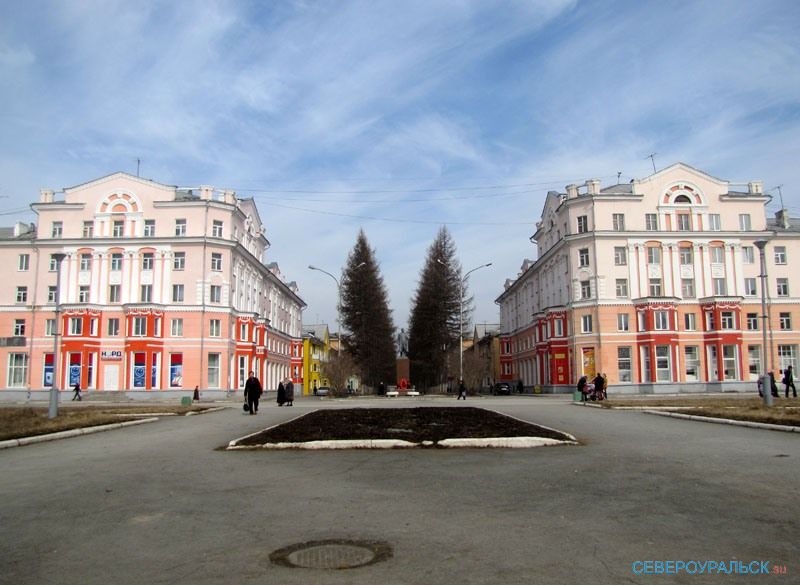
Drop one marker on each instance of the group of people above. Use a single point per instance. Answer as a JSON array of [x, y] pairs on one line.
[[787, 381], [599, 390], [253, 391]]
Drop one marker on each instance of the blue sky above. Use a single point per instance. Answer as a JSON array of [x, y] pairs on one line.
[[397, 117]]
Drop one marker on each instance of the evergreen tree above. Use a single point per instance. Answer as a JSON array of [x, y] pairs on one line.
[[434, 321], [366, 315]]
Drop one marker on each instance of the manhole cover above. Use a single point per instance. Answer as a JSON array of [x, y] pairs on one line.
[[332, 554]]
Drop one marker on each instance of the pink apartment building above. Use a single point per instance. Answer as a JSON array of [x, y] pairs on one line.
[[161, 289]]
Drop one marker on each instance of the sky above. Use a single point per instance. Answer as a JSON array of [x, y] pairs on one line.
[[396, 117]]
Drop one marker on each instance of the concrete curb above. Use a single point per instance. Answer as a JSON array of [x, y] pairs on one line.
[[497, 442], [199, 412], [71, 433], [576, 403], [726, 421]]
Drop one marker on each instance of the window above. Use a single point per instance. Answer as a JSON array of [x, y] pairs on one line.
[[213, 370], [661, 319], [691, 361], [86, 262], [651, 222], [752, 321], [216, 229], [710, 325], [216, 262], [19, 327], [139, 326], [684, 221], [215, 328], [655, 287], [623, 322], [51, 294], [148, 258], [583, 257], [149, 228], [720, 287], [114, 293], [750, 287], [116, 262], [88, 229], [243, 331], [586, 324], [618, 220], [180, 227], [653, 255], [718, 255], [50, 327], [558, 328], [620, 256], [785, 321], [690, 322], [727, 320], [624, 363], [17, 370], [686, 256], [586, 289], [787, 356], [730, 362], [783, 287], [22, 294], [24, 262], [780, 254], [118, 228], [177, 293], [157, 325], [749, 255], [75, 326], [146, 293], [622, 288], [687, 288], [714, 223], [215, 295], [744, 222], [57, 229], [663, 363], [583, 224], [754, 361], [179, 261], [176, 327], [83, 294], [113, 327]]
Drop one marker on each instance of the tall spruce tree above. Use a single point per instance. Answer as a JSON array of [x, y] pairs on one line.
[[366, 315], [434, 321]]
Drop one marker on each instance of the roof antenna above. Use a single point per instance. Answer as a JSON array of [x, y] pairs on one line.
[[652, 158], [780, 194], [619, 174], [138, 163]]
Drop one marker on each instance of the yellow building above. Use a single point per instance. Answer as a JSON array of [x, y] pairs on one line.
[[316, 349]]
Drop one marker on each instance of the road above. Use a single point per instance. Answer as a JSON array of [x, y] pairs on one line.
[[161, 504]]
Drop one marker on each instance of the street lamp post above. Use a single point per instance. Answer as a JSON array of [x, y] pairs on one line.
[[338, 309], [460, 319], [53, 410], [766, 385]]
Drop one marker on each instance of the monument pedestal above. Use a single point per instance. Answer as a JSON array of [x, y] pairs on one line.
[[403, 370]]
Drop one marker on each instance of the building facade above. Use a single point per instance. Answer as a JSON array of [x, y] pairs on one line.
[[159, 288], [316, 349], [655, 283]]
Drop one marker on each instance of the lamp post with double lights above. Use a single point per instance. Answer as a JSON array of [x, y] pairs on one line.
[[766, 383], [338, 305], [53, 410]]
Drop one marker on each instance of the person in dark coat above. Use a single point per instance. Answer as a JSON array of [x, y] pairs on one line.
[[773, 386], [462, 391], [582, 388], [77, 395], [252, 392], [788, 382], [196, 396], [290, 393], [599, 383], [281, 394]]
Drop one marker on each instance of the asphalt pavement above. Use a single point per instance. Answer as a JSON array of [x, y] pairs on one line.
[[162, 503]]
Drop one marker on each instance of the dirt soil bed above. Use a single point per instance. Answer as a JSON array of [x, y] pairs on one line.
[[408, 424]]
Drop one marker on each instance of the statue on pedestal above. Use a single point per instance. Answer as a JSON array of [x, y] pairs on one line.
[[402, 344]]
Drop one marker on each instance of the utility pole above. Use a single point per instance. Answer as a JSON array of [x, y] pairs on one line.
[[652, 158]]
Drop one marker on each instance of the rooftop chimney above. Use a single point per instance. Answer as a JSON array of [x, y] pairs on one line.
[[572, 191], [229, 197], [206, 192], [755, 187], [593, 186], [783, 218], [20, 228], [46, 196]]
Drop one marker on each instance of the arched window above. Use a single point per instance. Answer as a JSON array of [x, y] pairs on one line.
[[683, 199]]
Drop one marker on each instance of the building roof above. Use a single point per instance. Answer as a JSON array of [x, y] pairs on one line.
[[320, 331], [484, 329]]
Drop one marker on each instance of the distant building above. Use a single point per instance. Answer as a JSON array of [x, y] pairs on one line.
[[161, 288], [654, 283], [485, 344], [316, 350]]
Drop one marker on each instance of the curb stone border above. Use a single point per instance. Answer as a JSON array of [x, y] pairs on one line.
[[727, 421], [71, 433]]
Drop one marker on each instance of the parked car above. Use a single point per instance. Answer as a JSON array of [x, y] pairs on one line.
[[502, 388], [323, 391]]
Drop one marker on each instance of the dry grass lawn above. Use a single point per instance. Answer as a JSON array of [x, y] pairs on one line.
[[747, 408], [17, 422]]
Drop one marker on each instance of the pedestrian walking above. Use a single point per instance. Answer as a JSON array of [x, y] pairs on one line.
[[582, 388], [290, 393], [196, 395], [381, 389], [520, 387], [462, 391], [605, 386], [77, 395], [252, 392], [773, 386], [281, 393], [788, 382]]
